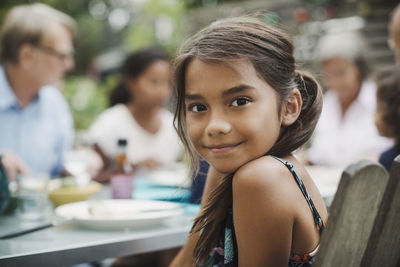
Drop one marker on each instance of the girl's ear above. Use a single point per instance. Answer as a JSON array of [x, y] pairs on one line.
[[291, 108]]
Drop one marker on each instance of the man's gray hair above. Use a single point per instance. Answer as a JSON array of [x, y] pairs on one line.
[[28, 24]]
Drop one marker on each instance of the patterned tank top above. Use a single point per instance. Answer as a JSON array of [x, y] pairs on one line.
[[225, 254]]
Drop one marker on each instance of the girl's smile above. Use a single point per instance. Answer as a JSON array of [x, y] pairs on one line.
[[231, 113], [223, 148]]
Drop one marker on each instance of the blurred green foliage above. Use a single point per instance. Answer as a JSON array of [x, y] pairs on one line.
[[200, 3], [89, 30], [144, 31], [95, 34], [146, 25], [87, 98]]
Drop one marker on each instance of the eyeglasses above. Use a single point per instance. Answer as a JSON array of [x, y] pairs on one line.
[[60, 55]]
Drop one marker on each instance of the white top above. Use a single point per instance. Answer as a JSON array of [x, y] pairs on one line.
[[339, 141], [117, 122]]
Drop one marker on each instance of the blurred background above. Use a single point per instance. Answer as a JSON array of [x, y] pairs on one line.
[[110, 29]]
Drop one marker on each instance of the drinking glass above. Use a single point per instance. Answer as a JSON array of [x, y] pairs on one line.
[[32, 194]]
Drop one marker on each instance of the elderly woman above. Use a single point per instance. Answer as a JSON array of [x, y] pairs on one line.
[[346, 131]]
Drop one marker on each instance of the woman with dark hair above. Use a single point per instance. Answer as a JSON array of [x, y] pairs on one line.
[[137, 114], [244, 108]]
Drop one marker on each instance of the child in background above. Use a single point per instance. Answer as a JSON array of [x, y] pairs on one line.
[[387, 119], [137, 114], [244, 108]]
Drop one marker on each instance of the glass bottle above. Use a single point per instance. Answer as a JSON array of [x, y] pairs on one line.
[[121, 180], [121, 158]]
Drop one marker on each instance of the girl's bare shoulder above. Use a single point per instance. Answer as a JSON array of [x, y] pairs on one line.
[[262, 209], [264, 175]]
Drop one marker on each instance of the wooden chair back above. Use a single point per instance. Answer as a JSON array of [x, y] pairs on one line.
[[383, 247], [352, 215]]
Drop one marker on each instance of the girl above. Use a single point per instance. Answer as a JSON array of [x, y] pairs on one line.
[[137, 114], [240, 105]]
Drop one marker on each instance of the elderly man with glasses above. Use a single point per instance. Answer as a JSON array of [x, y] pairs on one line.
[[36, 126]]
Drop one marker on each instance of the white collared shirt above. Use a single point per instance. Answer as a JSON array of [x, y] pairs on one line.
[[39, 133], [339, 141]]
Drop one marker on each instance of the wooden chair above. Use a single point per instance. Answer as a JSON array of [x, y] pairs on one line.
[[383, 247], [359, 216]]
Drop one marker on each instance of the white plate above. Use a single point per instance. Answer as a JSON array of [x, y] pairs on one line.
[[118, 213]]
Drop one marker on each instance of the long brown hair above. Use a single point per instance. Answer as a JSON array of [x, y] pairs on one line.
[[271, 53]]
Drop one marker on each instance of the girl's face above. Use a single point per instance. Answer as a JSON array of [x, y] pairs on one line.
[[153, 86], [231, 113]]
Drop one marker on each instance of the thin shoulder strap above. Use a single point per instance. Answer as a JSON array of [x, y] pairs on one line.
[[317, 217]]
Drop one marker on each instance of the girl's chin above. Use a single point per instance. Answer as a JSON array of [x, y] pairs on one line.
[[228, 167], [225, 169]]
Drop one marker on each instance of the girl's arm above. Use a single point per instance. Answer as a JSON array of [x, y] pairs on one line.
[[185, 255], [103, 174], [100, 152], [263, 216]]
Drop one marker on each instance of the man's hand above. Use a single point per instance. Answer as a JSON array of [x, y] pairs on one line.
[[13, 165]]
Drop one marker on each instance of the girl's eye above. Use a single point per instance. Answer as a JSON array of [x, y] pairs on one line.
[[240, 101], [197, 107]]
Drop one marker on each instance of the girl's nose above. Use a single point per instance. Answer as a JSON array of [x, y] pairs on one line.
[[218, 126]]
